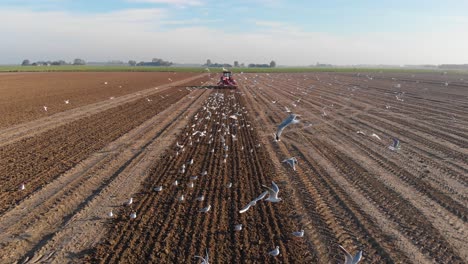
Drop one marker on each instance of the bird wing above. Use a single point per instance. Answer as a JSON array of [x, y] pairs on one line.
[[357, 257], [243, 210], [275, 187], [271, 192], [348, 257], [261, 196], [203, 259]]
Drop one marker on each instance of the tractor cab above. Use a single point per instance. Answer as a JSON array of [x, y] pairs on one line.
[[226, 80]]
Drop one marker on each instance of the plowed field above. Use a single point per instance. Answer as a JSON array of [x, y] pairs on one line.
[[349, 188]]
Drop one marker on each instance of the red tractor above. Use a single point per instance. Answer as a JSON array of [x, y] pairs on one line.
[[226, 81]]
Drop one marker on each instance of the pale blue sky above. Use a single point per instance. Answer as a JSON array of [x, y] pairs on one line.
[[291, 32]]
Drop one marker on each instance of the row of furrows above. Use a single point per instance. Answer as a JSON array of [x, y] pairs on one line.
[[77, 194], [371, 98], [204, 228], [280, 225], [461, 143], [379, 247], [459, 168], [328, 203], [413, 153], [322, 235], [454, 174], [429, 130], [369, 121], [160, 212], [415, 182], [422, 105], [161, 203], [40, 159], [415, 226]]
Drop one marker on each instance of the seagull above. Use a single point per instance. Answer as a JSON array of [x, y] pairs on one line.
[[206, 209], [193, 178], [299, 233], [349, 259], [204, 173], [275, 252], [45, 108], [190, 184], [292, 162], [287, 109], [175, 183], [272, 193], [158, 188], [229, 185], [376, 136], [110, 214], [181, 198], [206, 259], [105, 83], [22, 187], [361, 132], [179, 146], [133, 215], [200, 198], [190, 162], [169, 79], [149, 100], [291, 119], [396, 144], [238, 227], [67, 101], [130, 201]]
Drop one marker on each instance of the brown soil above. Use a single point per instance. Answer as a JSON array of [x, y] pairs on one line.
[[23, 95], [349, 189]]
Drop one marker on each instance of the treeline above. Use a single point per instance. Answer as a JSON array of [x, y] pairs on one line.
[[236, 65], [252, 65], [27, 62], [154, 62], [453, 66]]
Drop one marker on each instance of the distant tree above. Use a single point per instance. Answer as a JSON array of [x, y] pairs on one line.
[[208, 62], [242, 65], [272, 64], [252, 65], [59, 62], [236, 64], [26, 63], [132, 62], [79, 62], [155, 62]]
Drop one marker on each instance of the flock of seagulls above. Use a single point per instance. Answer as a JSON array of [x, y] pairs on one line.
[[271, 193], [214, 109]]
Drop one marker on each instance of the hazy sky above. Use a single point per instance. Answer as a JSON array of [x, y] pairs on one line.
[[250, 31]]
